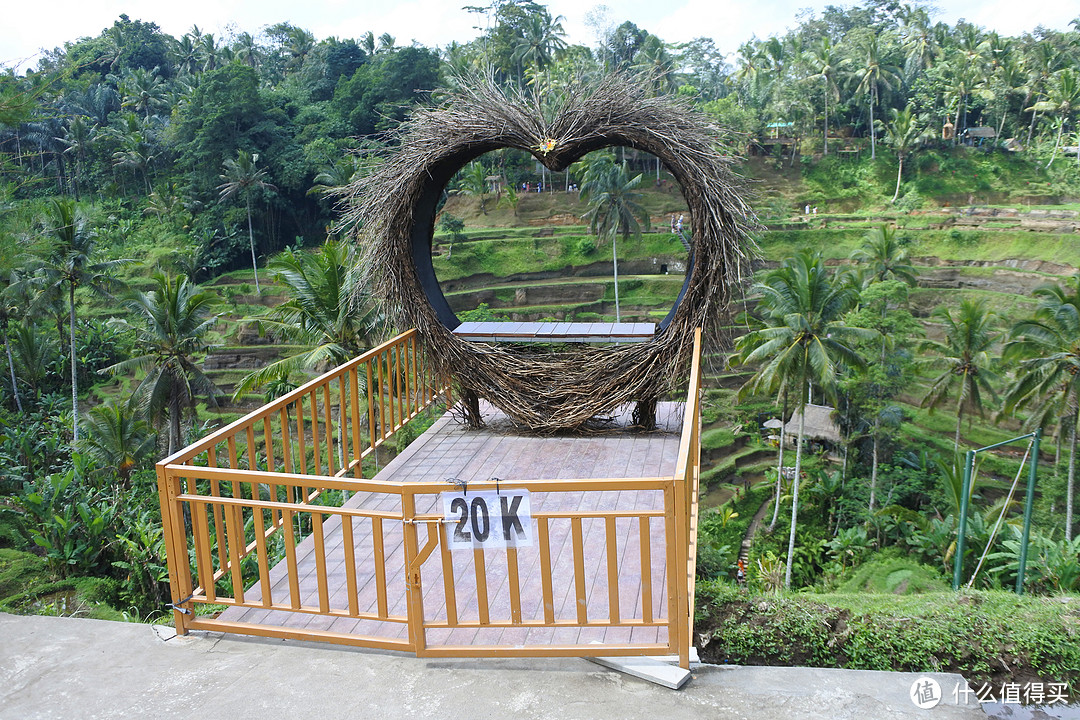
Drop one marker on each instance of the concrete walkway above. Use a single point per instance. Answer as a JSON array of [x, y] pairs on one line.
[[71, 668]]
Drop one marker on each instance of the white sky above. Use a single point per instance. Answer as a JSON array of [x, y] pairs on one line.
[[24, 30]]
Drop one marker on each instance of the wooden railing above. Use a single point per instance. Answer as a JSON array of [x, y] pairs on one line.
[[273, 486], [280, 458]]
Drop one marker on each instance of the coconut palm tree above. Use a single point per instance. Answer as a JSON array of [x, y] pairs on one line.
[[115, 435], [802, 342], [614, 206], [826, 62], [243, 177], [870, 76], [964, 359], [170, 324], [1047, 346], [1063, 99], [68, 266], [884, 257], [143, 91], [904, 133], [329, 312], [541, 41]]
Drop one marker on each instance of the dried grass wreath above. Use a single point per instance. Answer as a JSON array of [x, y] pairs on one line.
[[395, 207]]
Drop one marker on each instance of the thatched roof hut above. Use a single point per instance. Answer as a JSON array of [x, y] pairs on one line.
[[819, 424]]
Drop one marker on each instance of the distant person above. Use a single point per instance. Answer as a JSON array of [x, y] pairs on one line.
[[806, 210], [678, 225], [673, 224], [815, 211]]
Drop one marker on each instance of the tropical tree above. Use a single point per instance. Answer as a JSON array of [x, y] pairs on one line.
[[884, 257], [964, 359], [904, 134], [541, 41], [474, 183], [117, 437], [143, 91], [802, 342], [1063, 99], [1047, 382], [888, 277], [826, 62], [614, 205], [871, 75], [243, 177], [68, 265], [170, 324], [329, 312]]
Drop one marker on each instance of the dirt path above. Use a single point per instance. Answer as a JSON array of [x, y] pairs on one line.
[[755, 523]]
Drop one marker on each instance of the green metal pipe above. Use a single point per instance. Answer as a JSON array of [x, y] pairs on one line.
[[958, 561], [1029, 502]]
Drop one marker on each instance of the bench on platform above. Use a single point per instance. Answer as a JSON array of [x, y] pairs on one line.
[[555, 332]]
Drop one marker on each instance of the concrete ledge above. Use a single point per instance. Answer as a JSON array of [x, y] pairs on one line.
[[650, 669]]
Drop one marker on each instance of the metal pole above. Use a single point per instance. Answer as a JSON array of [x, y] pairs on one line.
[[1029, 502], [958, 561]]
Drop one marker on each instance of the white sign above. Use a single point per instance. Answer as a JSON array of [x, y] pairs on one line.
[[487, 519]]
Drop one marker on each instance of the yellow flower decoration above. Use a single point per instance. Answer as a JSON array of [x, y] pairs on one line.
[[547, 146]]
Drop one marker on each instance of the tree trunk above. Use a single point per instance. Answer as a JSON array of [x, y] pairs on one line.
[[795, 498], [826, 153], [899, 172], [959, 419], [873, 137], [874, 464], [74, 368], [1070, 486], [174, 427], [251, 241], [1057, 144], [1031, 127], [615, 268], [779, 465], [11, 367]]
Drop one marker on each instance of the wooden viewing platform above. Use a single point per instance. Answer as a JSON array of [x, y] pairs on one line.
[[449, 450], [271, 528], [555, 332]]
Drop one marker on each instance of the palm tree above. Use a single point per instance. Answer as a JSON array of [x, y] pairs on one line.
[[118, 438], [964, 358], [920, 43], [903, 133], [872, 75], [541, 41], [1048, 375], [802, 343], [884, 260], [1062, 98], [67, 266], [170, 324], [884, 257], [243, 177], [961, 81], [328, 312], [826, 62], [614, 206], [474, 183], [78, 137], [143, 91]]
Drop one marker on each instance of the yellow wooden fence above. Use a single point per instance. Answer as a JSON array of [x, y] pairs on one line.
[[273, 484]]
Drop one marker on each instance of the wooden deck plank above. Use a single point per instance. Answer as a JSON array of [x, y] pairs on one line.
[[511, 331]]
